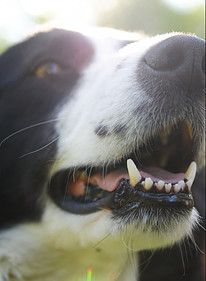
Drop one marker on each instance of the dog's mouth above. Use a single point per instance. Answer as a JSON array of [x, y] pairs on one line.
[[160, 173]]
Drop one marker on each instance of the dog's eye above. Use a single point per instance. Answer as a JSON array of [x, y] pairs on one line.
[[48, 68]]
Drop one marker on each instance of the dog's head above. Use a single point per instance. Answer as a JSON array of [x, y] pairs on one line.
[[97, 135]]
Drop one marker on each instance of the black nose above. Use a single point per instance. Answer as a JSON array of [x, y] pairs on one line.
[[178, 60]]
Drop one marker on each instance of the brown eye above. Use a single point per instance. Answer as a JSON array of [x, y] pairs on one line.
[[47, 68]]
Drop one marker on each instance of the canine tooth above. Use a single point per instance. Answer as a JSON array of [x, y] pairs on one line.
[[148, 183], [133, 172], [191, 172], [160, 185], [168, 187], [177, 187], [189, 184]]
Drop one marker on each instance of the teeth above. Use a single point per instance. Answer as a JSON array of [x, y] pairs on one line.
[[181, 184], [133, 172], [177, 188], [191, 172], [189, 184], [148, 183], [160, 185], [135, 178], [168, 187]]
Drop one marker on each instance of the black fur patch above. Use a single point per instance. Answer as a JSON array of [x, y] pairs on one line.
[[28, 108]]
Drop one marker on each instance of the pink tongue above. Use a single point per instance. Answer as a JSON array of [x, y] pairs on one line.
[[111, 180]]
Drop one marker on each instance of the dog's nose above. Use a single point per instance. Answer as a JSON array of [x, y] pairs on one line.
[[180, 60]]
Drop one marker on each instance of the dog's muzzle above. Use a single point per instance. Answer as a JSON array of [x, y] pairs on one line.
[[160, 172]]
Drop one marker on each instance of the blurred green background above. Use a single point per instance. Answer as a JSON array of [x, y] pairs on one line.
[[19, 17]]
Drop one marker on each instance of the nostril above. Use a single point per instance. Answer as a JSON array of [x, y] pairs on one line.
[[165, 56], [175, 66]]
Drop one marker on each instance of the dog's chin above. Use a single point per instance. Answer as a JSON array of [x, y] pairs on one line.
[[151, 192]]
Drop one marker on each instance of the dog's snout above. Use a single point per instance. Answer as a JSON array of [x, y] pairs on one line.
[[179, 59], [165, 56]]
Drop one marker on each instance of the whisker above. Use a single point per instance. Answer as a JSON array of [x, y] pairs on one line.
[[197, 248], [200, 225], [87, 185], [182, 258], [132, 254], [28, 128], [105, 237], [66, 189], [39, 149], [146, 262]]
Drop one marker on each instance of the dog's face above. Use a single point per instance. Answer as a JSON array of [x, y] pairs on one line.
[[97, 135]]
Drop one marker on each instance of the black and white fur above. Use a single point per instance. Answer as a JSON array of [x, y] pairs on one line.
[[97, 110]]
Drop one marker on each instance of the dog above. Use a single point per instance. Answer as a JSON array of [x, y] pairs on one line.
[[101, 136]]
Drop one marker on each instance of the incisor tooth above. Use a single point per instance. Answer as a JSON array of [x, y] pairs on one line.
[[160, 185], [168, 187], [133, 172], [191, 172], [148, 183], [177, 188]]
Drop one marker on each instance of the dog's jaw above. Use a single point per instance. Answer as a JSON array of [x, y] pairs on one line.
[[59, 247]]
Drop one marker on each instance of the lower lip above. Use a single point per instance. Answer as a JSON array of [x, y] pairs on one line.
[[126, 195]]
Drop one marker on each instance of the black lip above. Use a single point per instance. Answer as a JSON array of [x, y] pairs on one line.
[[123, 199], [68, 203], [126, 195]]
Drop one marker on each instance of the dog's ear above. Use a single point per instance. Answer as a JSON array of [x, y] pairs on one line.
[[10, 66]]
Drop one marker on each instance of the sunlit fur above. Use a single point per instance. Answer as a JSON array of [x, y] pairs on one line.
[[63, 246]]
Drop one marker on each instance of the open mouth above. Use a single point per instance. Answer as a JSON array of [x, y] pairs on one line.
[[160, 173]]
